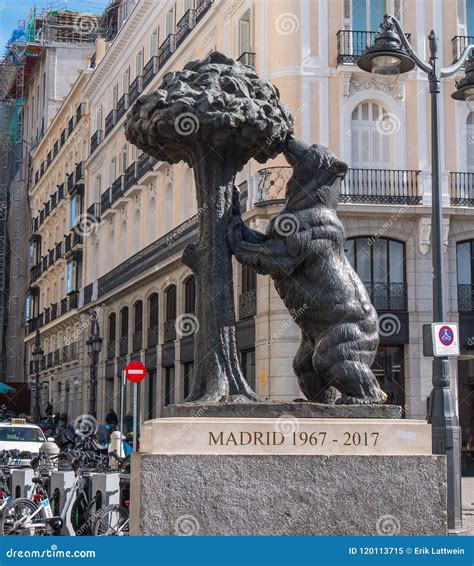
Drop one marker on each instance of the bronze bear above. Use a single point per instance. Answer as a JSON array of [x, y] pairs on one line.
[[303, 252]]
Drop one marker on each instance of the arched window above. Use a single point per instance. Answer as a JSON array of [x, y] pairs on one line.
[[111, 251], [190, 295], [465, 270], [372, 137], [137, 230], [112, 335], [380, 263], [170, 313], [151, 219], [470, 142], [137, 326], [124, 331], [153, 319], [123, 241]]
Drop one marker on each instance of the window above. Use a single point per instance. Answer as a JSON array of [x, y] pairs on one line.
[[169, 385], [465, 17], [188, 5], [71, 277], [187, 378], [124, 322], [170, 296], [153, 306], [151, 219], [372, 137], [470, 142], [154, 42], [249, 279], [168, 209], [33, 253], [112, 328], [465, 265], [139, 63], [170, 21], [190, 295], [126, 80], [381, 266], [244, 196], [138, 317], [114, 97], [151, 400], [245, 34], [389, 371], [75, 210], [367, 15]]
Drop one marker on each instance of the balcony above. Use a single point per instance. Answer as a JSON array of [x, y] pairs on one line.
[[54, 311], [70, 183], [71, 125], [167, 49], [49, 360], [248, 304], [105, 202], [88, 292], [93, 212], [137, 341], [152, 336], [145, 164], [247, 58], [110, 121], [461, 188], [96, 140], [150, 70], [352, 44], [79, 112], [79, 173], [122, 106], [201, 8], [169, 330], [62, 139], [272, 183], [117, 189], [123, 346], [388, 296], [57, 357], [130, 177], [381, 186], [58, 251], [111, 350], [136, 89], [65, 354], [459, 42], [184, 26]]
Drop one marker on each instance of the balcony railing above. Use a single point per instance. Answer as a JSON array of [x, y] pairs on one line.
[[145, 164], [272, 183], [459, 42], [167, 48], [123, 345], [88, 292], [136, 89], [185, 25], [96, 140], [117, 189], [150, 70], [381, 186], [111, 350], [153, 336], [93, 212], [461, 189], [352, 44], [122, 106], [247, 58], [79, 173], [130, 176], [137, 341], [388, 296], [110, 121], [248, 304], [70, 182], [169, 330], [202, 6]]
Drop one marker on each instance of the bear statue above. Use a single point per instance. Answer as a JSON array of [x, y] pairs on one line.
[[303, 252]]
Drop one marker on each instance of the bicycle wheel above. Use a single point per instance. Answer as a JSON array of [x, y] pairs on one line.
[[112, 521], [14, 521], [80, 516]]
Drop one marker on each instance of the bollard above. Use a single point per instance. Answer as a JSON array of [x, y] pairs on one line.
[[60, 484], [21, 483], [108, 486]]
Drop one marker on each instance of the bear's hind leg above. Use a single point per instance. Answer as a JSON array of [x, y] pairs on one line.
[[357, 383], [312, 383]]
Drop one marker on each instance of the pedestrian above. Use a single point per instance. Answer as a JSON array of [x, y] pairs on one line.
[[49, 409], [111, 418], [128, 422]]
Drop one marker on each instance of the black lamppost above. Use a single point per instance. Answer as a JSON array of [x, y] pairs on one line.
[[392, 54], [94, 345], [37, 357]]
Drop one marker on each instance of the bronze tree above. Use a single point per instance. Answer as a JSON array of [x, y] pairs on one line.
[[215, 115]]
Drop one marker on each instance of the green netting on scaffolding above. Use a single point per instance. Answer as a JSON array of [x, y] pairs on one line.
[[30, 27]]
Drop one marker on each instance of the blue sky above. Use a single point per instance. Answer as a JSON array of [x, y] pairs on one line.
[[13, 10]]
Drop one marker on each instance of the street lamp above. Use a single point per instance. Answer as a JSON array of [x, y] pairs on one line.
[[37, 357], [94, 345], [393, 54]]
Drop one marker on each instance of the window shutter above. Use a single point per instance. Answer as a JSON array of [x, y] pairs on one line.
[[347, 14], [461, 6], [365, 147], [355, 145], [470, 147]]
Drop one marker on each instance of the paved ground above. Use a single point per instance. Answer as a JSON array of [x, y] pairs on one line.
[[468, 504]]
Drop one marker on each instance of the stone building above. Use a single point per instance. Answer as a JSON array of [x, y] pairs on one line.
[[146, 211]]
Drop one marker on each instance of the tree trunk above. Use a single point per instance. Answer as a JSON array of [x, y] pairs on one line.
[[217, 373]]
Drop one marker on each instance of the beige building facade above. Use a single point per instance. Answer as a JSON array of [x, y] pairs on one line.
[[139, 214]]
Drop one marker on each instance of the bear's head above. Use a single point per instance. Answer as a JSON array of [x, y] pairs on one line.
[[316, 174]]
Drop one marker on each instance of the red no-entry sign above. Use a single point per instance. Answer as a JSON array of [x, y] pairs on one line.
[[135, 372]]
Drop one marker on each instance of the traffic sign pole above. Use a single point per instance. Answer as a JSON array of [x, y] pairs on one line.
[[135, 415], [135, 372]]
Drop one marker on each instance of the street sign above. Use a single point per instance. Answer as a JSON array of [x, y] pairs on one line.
[[32, 385], [135, 372], [445, 337]]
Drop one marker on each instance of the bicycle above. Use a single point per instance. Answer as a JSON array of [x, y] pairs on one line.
[[24, 517], [113, 520]]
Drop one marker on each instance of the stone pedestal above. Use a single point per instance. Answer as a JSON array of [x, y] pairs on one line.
[[287, 476]]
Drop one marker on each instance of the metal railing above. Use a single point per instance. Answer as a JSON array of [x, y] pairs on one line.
[[122, 106], [96, 140], [459, 42], [123, 345], [169, 330], [185, 25], [351, 44], [135, 89], [137, 341], [388, 296], [248, 304], [461, 188], [381, 186], [111, 350], [110, 121], [153, 333], [272, 183]]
